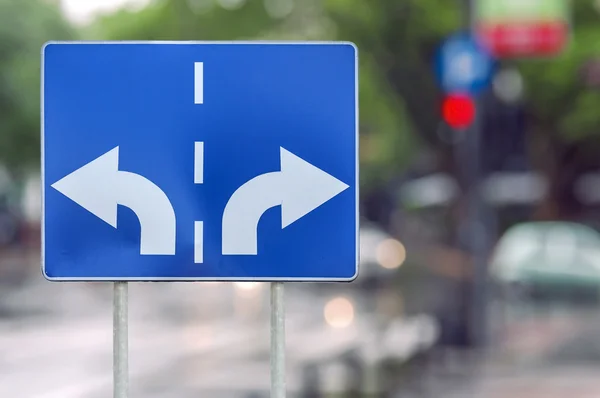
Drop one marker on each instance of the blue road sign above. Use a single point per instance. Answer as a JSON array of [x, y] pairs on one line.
[[200, 161], [464, 65]]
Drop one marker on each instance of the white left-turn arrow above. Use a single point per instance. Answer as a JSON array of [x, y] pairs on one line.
[[99, 187]]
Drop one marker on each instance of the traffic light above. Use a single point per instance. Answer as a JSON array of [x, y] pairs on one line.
[[458, 110]]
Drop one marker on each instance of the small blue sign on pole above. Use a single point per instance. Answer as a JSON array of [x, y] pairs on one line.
[[463, 65], [200, 161]]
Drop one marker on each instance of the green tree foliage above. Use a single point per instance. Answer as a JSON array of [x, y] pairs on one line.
[[559, 98], [187, 20], [24, 26], [383, 122], [398, 39]]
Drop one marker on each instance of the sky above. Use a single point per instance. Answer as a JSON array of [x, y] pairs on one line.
[[82, 12]]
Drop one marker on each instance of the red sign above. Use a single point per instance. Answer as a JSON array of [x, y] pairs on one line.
[[522, 28]]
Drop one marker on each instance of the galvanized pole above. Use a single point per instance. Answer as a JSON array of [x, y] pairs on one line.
[[277, 340], [120, 344]]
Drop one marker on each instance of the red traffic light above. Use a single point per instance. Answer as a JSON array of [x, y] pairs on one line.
[[458, 110]]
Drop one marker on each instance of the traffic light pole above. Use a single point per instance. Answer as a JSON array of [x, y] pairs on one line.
[[477, 225]]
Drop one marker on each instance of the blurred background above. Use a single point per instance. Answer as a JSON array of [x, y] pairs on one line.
[[480, 205]]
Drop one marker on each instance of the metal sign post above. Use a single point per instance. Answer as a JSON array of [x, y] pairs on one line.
[[277, 340], [120, 343]]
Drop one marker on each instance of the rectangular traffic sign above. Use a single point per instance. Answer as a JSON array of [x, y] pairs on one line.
[[523, 28], [200, 161]]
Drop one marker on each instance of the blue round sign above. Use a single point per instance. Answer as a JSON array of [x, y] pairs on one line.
[[464, 65]]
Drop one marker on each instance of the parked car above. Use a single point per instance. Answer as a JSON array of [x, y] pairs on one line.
[[548, 259]]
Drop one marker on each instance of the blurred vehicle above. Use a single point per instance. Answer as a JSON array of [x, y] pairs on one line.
[[547, 276], [546, 259], [10, 219]]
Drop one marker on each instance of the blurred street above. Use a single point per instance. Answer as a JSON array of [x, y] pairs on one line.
[[61, 347], [479, 203], [185, 339], [66, 345]]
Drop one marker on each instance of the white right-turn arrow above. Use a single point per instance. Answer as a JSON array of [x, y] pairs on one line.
[[298, 188], [99, 186]]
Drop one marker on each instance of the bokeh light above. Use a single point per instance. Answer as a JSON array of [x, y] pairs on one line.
[[339, 313], [391, 254]]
